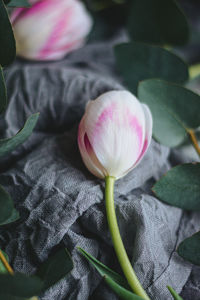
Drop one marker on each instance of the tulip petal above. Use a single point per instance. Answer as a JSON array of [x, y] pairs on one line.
[[147, 140], [148, 133], [50, 29], [115, 125], [87, 153]]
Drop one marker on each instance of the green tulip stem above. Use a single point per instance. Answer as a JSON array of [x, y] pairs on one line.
[[194, 141], [117, 241]]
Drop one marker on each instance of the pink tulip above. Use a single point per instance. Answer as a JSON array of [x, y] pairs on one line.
[[50, 28], [114, 134]]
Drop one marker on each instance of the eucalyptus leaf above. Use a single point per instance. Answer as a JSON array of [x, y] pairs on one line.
[[114, 280], [175, 110], [138, 61], [6, 205], [7, 41], [20, 285], [194, 84], [3, 93], [18, 3], [10, 297], [9, 144], [12, 218], [55, 268], [189, 249], [2, 267], [121, 291], [180, 187], [155, 21], [174, 294]]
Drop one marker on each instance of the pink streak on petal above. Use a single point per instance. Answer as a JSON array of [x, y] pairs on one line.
[[16, 12], [56, 34], [144, 148], [38, 7], [146, 143], [87, 144], [135, 125], [107, 113], [24, 12]]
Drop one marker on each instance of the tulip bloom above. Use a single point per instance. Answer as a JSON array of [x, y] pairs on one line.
[[50, 28], [113, 136]]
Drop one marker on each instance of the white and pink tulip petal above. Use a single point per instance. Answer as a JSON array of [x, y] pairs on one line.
[[50, 28], [87, 153], [116, 126]]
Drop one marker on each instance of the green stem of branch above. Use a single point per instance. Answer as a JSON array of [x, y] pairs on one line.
[[194, 141], [117, 241], [5, 263], [9, 268]]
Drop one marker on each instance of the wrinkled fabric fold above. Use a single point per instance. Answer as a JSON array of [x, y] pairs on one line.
[[62, 204]]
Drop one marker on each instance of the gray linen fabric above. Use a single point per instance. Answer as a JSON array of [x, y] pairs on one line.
[[62, 204]]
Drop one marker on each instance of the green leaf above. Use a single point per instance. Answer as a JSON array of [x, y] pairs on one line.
[[18, 3], [6, 205], [155, 21], [194, 84], [3, 93], [2, 267], [9, 144], [13, 217], [180, 187], [121, 291], [8, 213], [20, 285], [10, 297], [189, 249], [174, 294], [55, 268], [114, 280], [138, 61], [7, 41], [175, 109]]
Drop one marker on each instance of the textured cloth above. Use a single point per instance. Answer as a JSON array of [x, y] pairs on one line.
[[62, 204]]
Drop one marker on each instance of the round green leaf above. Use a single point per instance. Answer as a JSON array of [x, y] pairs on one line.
[[175, 109], [189, 249], [180, 187], [138, 61], [6, 205], [9, 144], [20, 285], [194, 84], [55, 268], [7, 41], [155, 21], [12, 218]]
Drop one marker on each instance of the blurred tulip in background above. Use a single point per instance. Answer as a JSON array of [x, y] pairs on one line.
[[50, 29]]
